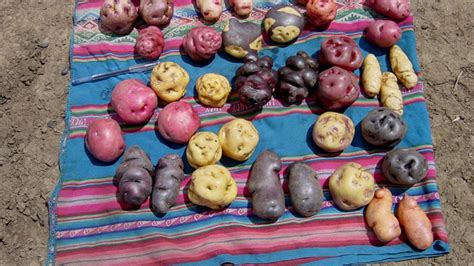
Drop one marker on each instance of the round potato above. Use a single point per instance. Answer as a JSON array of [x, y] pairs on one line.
[[213, 89], [202, 43], [337, 88], [351, 186], [404, 166], [203, 149], [150, 42], [156, 12], [242, 8], [342, 52], [283, 23], [212, 186], [118, 16], [383, 127], [333, 132], [104, 140], [394, 9], [384, 33], [169, 81], [178, 122], [321, 12], [238, 139]]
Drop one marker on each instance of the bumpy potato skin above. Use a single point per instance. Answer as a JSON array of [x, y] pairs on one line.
[[211, 10], [283, 23], [156, 12], [383, 33], [119, 16], [371, 76], [333, 132], [242, 8], [169, 81], [202, 43], [340, 51], [178, 122], [383, 127], [134, 176], [415, 223], [402, 67], [338, 88], [306, 193], [150, 42], [203, 149], [394, 9], [238, 139], [404, 166], [351, 186], [321, 12], [213, 89], [380, 218], [242, 38], [268, 199], [168, 176], [390, 94], [104, 140]]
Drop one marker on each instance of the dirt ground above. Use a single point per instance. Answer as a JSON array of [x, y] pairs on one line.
[[33, 89]]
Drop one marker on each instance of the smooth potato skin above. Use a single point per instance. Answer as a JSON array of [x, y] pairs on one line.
[[383, 33], [380, 218], [394, 9], [337, 88], [178, 122], [156, 12], [268, 199], [104, 140], [168, 176], [305, 191], [415, 222]]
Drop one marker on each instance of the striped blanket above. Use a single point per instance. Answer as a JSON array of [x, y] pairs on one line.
[[88, 226]]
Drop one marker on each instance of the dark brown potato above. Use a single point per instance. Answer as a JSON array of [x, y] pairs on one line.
[[283, 23], [268, 199], [156, 12], [168, 176], [134, 176], [306, 193], [242, 38], [383, 127], [404, 166]]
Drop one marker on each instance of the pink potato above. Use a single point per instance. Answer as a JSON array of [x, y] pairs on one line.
[[119, 16], [178, 122], [133, 101], [383, 33], [394, 9], [242, 8], [338, 88], [150, 42], [104, 140], [202, 43], [342, 52], [321, 12], [156, 12]]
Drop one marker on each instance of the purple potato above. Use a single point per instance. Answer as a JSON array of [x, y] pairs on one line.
[[306, 193], [404, 166], [383, 127], [168, 176]]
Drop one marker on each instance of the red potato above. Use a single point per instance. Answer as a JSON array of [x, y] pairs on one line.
[[178, 122], [302, 2], [338, 88], [342, 52], [384, 33], [156, 12], [394, 9], [133, 101], [150, 42], [321, 12], [104, 140], [415, 222], [118, 16], [242, 8], [202, 43]]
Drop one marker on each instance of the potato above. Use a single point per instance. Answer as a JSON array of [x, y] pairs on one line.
[[404, 166], [241, 38], [134, 176], [134, 102], [268, 199], [394, 9], [402, 67], [150, 42], [211, 10], [104, 140], [351, 186], [242, 8], [337, 89], [390, 94], [178, 122], [238, 139], [321, 12], [213, 89], [118, 16], [283, 23], [202, 43], [306, 193], [384, 33], [212, 186], [383, 127], [203, 149], [415, 223], [342, 52], [379, 217], [333, 132], [169, 81], [156, 12], [371, 76], [168, 176]]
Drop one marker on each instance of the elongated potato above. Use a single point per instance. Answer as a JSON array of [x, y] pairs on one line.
[[380, 218], [168, 176], [371, 76], [306, 193], [390, 94], [402, 67], [416, 224]]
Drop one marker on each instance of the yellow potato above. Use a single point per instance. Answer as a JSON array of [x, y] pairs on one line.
[[351, 186], [213, 89], [169, 81], [390, 94], [212, 186], [380, 218], [371, 76], [333, 132], [203, 149], [238, 139], [402, 67], [211, 10]]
